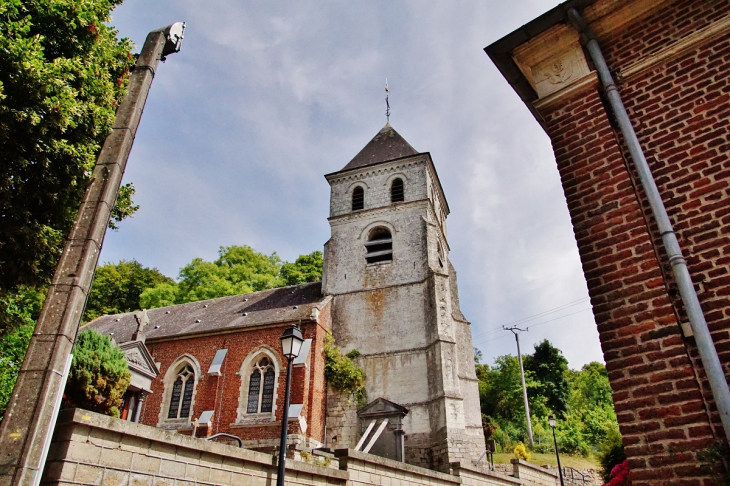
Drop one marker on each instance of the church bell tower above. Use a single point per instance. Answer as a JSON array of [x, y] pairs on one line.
[[395, 300]]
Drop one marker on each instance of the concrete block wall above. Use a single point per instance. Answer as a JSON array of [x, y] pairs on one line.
[[93, 449], [367, 469], [674, 79], [532, 475]]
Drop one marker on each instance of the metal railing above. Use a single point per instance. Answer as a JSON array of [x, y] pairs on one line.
[[230, 436]]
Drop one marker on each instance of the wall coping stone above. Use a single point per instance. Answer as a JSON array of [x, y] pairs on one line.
[[532, 466], [346, 455], [457, 467], [146, 432]]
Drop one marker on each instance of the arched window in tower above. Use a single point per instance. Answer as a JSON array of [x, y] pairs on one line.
[[261, 395], [440, 254], [182, 393], [397, 193], [358, 198], [379, 246]]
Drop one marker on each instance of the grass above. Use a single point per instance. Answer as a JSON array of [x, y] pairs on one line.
[[577, 462]]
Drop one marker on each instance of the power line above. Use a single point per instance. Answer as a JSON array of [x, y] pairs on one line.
[[532, 325], [534, 316]]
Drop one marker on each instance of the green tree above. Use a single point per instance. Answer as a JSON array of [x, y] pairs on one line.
[[306, 268], [13, 345], [550, 369], [19, 306], [117, 287], [62, 75], [237, 270], [500, 392], [99, 374]]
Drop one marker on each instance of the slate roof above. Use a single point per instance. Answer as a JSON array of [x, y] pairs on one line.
[[386, 145], [267, 306]]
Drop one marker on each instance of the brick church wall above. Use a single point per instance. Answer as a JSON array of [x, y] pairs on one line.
[[222, 393], [680, 109]]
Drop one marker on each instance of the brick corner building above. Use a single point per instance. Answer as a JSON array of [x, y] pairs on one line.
[[671, 62]]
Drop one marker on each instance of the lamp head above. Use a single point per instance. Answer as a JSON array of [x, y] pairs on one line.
[[173, 37], [551, 421], [291, 342]]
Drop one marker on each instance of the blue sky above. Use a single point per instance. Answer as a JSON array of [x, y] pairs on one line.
[[267, 97]]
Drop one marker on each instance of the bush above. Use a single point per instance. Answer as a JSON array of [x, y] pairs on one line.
[[99, 374], [521, 452], [611, 454], [570, 437], [343, 372], [502, 439]]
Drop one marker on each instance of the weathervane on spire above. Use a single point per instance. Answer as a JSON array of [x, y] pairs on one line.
[[387, 103]]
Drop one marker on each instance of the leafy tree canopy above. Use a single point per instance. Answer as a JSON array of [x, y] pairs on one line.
[[117, 287], [13, 345], [62, 74], [99, 374], [238, 270], [306, 268], [584, 396], [550, 369]]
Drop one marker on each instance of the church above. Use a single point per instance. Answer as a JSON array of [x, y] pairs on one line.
[[388, 291]]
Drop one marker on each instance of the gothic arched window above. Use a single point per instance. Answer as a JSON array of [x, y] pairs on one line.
[[358, 198], [261, 386], [182, 393], [379, 246], [397, 192]]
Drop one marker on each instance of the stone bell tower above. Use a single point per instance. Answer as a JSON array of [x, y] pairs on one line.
[[396, 301]]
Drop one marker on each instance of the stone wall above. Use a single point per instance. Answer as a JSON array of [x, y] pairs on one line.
[[532, 475], [95, 450], [367, 469]]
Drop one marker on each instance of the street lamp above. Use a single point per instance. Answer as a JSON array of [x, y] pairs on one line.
[[291, 344], [551, 421]]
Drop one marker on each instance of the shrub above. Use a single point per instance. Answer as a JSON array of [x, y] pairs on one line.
[[521, 452], [99, 374], [611, 454], [342, 372], [619, 475]]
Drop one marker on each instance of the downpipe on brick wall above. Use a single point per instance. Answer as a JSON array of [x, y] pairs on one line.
[[705, 346]]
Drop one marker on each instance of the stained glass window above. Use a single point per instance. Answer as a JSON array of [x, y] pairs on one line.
[[261, 396], [254, 386], [267, 397], [180, 401]]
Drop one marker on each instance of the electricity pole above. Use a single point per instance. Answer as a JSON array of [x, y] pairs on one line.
[[516, 331], [26, 430]]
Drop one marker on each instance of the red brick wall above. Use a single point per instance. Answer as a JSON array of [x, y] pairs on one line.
[[221, 393], [681, 112]]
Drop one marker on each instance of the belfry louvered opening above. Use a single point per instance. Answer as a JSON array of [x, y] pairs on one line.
[[358, 198], [397, 193], [379, 246]]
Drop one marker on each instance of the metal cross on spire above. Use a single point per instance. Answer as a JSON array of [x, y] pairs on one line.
[[387, 103]]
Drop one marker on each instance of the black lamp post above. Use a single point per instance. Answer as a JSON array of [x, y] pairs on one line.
[[291, 344], [551, 421]]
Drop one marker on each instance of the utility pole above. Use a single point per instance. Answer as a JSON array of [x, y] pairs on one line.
[[516, 331], [26, 430]]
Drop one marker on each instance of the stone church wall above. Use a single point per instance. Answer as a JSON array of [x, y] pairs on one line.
[[674, 73]]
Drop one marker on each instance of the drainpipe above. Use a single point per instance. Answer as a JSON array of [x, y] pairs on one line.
[[705, 345]]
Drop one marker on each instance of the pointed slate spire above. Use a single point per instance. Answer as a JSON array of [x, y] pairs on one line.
[[386, 145]]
